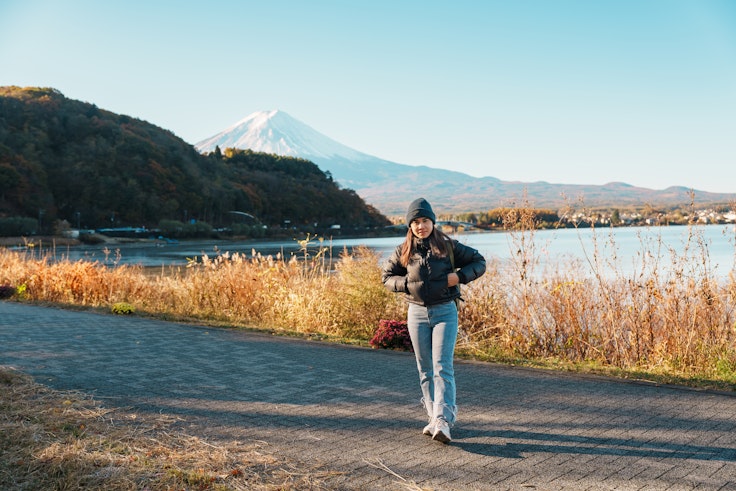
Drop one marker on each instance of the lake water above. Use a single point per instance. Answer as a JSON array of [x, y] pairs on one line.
[[629, 244]]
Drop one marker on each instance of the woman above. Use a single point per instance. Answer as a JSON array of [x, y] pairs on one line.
[[427, 268]]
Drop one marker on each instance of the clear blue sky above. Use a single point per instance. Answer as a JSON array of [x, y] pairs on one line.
[[565, 91]]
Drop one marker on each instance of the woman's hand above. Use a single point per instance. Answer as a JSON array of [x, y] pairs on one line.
[[452, 279]]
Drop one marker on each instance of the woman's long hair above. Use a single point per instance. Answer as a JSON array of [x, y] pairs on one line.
[[436, 242]]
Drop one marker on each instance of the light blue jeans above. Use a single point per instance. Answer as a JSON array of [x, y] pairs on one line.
[[433, 332]]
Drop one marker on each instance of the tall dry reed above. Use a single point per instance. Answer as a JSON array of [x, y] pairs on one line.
[[306, 293], [670, 313]]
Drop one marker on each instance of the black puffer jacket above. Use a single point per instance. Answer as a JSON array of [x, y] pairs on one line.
[[424, 280]]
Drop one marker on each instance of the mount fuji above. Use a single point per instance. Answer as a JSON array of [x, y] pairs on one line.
[[278, 133], [387, 185], [390, 186]]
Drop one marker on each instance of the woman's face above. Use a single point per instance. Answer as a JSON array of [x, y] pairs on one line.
[[422, 227]]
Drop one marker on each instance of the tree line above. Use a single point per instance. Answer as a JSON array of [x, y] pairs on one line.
[[541, 218]]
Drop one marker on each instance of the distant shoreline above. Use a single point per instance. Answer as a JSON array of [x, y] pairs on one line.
[[24, 241], [47, 241]]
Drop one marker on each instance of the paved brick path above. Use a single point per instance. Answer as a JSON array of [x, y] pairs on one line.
[[355, 410]]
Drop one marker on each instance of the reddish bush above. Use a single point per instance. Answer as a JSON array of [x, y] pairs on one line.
[[392, 334]]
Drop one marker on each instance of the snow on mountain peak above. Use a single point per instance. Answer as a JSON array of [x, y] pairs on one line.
[[277, 132]]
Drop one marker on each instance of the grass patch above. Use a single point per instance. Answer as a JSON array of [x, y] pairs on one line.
[[66, 440]]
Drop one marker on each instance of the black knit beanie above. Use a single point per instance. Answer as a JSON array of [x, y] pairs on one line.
[[420, 207]]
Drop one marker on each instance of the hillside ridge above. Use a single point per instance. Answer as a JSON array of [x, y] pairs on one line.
[[63, 159]]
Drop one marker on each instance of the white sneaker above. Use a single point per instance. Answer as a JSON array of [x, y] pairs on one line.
[[429, 429], [441, 431]]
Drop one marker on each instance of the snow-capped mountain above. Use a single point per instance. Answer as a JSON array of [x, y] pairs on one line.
[[278, 133], [390, 186], [380, 182]]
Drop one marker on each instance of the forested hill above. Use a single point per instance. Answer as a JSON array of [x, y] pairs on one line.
[[69, 160]]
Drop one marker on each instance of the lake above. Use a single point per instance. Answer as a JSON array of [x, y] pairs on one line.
[[628, 243]]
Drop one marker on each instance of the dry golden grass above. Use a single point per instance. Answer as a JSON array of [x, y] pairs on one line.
[[67, 441], [672, 317]]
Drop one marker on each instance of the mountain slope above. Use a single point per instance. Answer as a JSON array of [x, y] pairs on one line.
[[278, 133], [62, 159], [390, 186]]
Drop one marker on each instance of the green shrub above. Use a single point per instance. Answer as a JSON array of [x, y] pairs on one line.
[[122, 308], [181, 230], [17, 226]]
